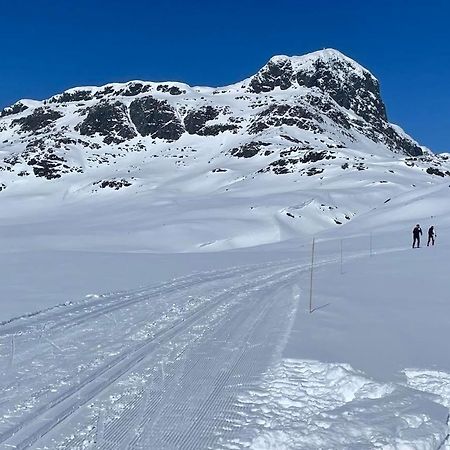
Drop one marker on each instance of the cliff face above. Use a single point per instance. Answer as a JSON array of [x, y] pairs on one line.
[[294, 112]]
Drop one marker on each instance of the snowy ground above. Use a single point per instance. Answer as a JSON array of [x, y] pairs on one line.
[[232, 358], [174, 313], [353, 374], [106, 342], [32, 280]]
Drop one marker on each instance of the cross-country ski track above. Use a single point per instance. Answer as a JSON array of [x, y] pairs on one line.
[[156, 368], [184, 364]]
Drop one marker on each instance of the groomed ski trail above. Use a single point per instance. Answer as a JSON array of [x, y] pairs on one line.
[[192, 344], [158, 367]]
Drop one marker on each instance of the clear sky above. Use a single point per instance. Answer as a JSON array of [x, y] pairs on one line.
[[49, 46]]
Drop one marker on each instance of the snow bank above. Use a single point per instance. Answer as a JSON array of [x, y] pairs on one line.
[[310, 405]]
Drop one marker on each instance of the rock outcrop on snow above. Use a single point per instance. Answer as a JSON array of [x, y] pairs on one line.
[[314, 117]]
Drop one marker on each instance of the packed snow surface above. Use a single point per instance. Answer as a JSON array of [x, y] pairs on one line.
[[228, 355], [158, 292], [178, 324]]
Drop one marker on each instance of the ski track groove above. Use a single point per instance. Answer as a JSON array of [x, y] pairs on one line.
[[175, 380], [108, 303], [212, 404], [135, 442], [106, 375], [161, 308]]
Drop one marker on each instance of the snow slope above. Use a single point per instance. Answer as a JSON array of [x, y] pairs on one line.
[[302, 146], [232, 358], [155, 288]]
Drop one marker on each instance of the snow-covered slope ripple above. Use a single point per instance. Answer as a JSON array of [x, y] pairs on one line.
[[303, 145]]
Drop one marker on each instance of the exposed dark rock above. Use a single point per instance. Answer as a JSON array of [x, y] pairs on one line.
[[135, 89], [214, 130], [195, 120], [435, 171], [295, 150], [289, 151], [113, 184], [277, 73], [290, 138], [109, 120], [75, 96], [313, 156], [233, 119], [13, 109], [104, 92], [348, 89], [277, 115], [248, 150], [38, 119], [395, 141], [281, 166], [360, 166], [47, 166], [172, 90], [156, 118], [313, 171], [44, 159], [335, 84], [361, 94], [12, 160], [324, 105], [289, 165]]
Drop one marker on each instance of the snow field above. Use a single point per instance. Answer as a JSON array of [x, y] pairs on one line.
[[174, 312], [233, 358], [310, 405], [74, 377]]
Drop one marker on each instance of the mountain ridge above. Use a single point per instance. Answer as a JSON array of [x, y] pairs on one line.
[[311, 127]]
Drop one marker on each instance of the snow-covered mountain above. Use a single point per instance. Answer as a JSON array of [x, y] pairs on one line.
[[303, 145], [118, 329]]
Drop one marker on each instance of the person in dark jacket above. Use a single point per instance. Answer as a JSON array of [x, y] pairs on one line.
[[431, 235], [417, 231]]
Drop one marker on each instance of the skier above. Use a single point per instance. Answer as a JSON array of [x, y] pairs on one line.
[[431, 235], [417, 231]]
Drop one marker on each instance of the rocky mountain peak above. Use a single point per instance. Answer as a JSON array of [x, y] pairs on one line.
[[296, 115], [347, 82]]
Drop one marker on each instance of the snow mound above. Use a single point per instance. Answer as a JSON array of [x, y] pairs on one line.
[[433, 381], [310, 404]]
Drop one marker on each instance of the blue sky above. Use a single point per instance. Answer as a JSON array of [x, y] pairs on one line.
[[48, 46]]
